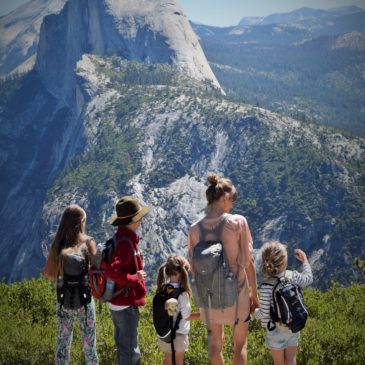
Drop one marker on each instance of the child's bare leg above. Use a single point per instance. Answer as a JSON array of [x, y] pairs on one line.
[[291, 355], [167, 359], [179, 357], [278, 357]]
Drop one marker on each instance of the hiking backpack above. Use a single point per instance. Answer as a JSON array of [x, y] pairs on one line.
[[214, 284], [72, 286], [102, 287], [287, 308], [163, 323]]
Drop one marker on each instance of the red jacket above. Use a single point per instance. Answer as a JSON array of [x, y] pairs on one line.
[[122, 270]]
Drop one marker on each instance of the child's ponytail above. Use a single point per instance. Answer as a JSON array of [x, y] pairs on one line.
[[184, 281], [175, 265], [161, 278]]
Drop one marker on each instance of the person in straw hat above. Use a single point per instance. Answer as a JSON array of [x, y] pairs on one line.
[[126, 270]]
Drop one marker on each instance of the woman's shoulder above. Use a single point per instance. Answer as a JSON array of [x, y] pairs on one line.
[[86, 245], [195, 226], [87, 239], [235, 222], [197, 222]]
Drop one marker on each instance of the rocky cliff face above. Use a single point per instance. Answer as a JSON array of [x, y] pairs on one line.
[[19, 34], [140, 30], [41, 127]]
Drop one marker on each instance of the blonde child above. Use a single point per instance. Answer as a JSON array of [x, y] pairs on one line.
[[282, 342], [175, 272]]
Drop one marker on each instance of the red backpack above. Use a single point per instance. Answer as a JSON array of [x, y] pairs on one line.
[[101, 286]]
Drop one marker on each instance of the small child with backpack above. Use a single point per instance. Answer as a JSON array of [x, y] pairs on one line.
[[282, 310], [172, 309]]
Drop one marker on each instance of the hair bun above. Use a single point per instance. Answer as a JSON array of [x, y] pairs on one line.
[[213, 179]]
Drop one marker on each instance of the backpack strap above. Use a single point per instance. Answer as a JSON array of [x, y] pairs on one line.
[[125, 238], [272, 281], [203, 230], [88, 256], [217, 230], [116, 243], [88, 242], [173, 328], [84, 290]]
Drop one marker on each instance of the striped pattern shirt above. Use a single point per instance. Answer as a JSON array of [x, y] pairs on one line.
[[301, 279]]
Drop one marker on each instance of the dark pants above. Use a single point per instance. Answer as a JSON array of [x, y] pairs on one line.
[[126, 335]]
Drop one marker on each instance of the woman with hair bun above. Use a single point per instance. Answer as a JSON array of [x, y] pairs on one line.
[[235, 236]]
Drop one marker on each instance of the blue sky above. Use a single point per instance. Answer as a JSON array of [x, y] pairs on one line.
[[229, 12]]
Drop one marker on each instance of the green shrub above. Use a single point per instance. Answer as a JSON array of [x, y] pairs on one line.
[[334, 333]]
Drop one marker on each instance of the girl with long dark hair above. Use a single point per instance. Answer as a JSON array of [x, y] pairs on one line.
[[67, 264]]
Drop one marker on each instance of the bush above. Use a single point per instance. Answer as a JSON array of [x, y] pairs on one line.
[[334, 333]]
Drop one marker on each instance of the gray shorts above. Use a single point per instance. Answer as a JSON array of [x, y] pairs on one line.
[[280, 339], [181, 343]]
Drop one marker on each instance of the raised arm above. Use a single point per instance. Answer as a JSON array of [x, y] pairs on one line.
[[304, 278]]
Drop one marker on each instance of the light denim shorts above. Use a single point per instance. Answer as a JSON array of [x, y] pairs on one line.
[[279, 339]]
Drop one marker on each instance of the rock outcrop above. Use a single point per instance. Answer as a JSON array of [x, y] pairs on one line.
[[19, 34], [140, 30]]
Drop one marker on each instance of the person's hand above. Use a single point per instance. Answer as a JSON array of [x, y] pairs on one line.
[[300, 255], [141, 275], [194, 317], [254, 302]]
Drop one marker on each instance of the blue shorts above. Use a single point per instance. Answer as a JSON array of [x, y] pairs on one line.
[[280, 339]]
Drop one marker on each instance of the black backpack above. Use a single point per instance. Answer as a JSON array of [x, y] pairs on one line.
[[72, 287], [164, 326], [287, 306]]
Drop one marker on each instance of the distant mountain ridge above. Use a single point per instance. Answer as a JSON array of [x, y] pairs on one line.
[[305, 16], [20, 29], [310, 64]]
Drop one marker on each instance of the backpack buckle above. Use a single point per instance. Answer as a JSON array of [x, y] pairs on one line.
[[271, 325]]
